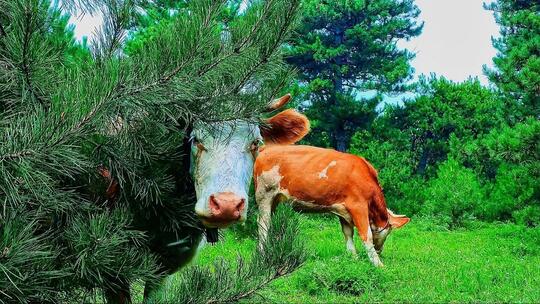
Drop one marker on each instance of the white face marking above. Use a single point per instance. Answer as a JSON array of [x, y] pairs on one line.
[[324, 172], [222, 161]]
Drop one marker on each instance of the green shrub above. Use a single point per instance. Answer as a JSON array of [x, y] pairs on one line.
[[513, 189], [454, 194], [528, 216], [348, 276]]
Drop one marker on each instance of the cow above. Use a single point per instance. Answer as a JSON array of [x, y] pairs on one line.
[[326, 181], [222, 155]]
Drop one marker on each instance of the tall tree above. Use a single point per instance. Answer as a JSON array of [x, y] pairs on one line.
[[517, 63], [344, 48], [61, 236]]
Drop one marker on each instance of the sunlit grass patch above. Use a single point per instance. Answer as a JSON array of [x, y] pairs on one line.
[[424, 262]]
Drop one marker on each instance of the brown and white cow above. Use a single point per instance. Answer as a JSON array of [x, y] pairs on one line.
[[324, 180]]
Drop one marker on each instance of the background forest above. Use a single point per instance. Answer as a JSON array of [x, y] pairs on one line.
[[457, 151], [461, 158]]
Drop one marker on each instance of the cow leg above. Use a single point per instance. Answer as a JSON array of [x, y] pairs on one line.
[[149, 287], [348, 232], [265, 215], [120, 295], [360, 215]]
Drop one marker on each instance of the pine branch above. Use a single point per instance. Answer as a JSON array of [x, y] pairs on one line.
[[15, 155], [254, 29], [273, 49], [25, 65], [278, 274], [168, 77]]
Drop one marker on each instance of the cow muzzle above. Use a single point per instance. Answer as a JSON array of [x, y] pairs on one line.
[[225, 208]]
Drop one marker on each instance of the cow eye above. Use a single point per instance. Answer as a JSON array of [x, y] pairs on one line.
[[256, 144], [195, 142]]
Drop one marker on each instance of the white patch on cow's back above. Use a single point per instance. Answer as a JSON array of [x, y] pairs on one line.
[[324, 172]]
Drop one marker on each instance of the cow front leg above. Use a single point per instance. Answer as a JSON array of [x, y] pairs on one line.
[[360, 215], [348, 232], [370, 249], [265, 216], [119, 295], [149, 288]]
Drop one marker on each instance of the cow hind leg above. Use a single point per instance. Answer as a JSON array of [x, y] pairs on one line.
[[360, 215], [348, 232]]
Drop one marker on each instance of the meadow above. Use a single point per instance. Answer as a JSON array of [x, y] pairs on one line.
[[424, 262]]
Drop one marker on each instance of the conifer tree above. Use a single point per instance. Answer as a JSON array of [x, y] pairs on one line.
[[92, 172], [517, 64], [346, 47]]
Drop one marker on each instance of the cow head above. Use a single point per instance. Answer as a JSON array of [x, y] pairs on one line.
[[394, 222], [222, 158]]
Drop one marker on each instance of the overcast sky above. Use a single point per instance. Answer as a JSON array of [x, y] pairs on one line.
[[455, 42]]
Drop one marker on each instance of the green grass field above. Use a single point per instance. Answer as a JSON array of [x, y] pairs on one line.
[[423, 263]]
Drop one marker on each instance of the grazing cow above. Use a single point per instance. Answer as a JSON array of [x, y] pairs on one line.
[[221, 167], [325, 180]]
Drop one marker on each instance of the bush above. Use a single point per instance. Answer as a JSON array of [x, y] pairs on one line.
[[454, 195], [347, 276], [528, 216], [513, 189]]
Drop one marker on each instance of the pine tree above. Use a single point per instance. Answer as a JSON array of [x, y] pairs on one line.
[[93, 176], [346, 47], [517, 63]]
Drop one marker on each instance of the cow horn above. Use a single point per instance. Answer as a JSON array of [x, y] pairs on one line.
[[278, 103]]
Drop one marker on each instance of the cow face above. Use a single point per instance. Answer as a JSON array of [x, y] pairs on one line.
[[394, 222], [222, 158]]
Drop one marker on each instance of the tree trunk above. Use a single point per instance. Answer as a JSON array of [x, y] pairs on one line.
[[342, 140], [339, 138]]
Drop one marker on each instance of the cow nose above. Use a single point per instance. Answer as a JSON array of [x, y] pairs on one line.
[[226, 206]]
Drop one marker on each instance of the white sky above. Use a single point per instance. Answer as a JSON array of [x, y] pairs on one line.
[[456, 39], [455, 42]]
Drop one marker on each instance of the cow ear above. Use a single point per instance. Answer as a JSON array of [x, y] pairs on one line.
[[397, 221], [278, 103], [285, 128]]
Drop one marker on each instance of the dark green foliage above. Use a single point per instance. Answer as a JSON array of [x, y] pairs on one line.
[[27, 262], [346, 47], [454, 195], [517, 72], [508, 159], [224, 281], [94, 244], [68, 113], [446, 110], [451, 152]]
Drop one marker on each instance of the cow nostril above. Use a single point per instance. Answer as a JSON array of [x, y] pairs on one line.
[[241, 205], [214, 205]]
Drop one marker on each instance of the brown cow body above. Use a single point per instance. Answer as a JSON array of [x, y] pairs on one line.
[[325, 180]]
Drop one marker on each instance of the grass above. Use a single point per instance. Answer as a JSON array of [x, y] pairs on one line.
[[423, 263]]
